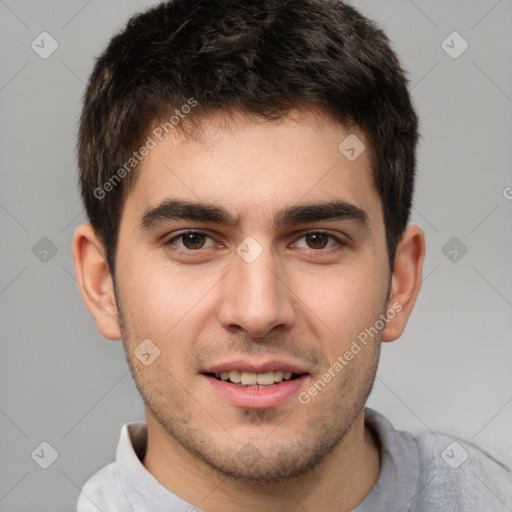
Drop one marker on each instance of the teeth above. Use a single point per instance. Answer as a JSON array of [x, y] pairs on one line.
[[248, 379], [278, 376], [264, 378], [253, 379], [234, 376]]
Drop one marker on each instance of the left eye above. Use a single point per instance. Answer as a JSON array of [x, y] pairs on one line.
[[319, 240]]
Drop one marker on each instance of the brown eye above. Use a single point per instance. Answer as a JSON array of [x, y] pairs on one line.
[[320, 241], [193, 240], [317, 240]]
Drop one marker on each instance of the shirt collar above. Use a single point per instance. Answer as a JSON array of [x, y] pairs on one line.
[[396, 485], [138, 483]]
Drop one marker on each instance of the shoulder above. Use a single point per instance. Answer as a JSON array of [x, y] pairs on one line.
[[458, 473], [103, 491]]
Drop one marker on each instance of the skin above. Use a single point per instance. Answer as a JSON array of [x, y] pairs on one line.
[[303, 299]]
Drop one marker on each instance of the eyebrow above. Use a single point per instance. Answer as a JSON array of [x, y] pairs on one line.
[[176, 209]]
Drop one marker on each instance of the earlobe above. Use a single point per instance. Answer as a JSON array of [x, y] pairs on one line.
[[405, 282], [95, 281]]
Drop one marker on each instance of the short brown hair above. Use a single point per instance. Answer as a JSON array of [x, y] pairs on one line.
[[262, 58]]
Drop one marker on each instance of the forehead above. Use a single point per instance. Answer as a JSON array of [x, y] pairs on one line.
[[255, 167]]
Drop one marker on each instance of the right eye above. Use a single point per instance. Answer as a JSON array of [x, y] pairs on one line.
[[191, 241]]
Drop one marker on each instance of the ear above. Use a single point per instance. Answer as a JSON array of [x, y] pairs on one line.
[[405, 281], [95, 281]]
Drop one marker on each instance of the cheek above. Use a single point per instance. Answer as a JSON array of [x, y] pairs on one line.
[[165, 304], [347, 305]]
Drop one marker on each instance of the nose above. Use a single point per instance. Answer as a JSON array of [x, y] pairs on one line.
[[255, 298]]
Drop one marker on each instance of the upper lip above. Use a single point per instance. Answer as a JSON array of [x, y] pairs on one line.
[[257, 367]]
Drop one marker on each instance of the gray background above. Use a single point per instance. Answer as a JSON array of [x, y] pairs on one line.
[[62, 383]]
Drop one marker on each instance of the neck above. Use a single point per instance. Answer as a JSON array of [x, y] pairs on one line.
[[340, 481]]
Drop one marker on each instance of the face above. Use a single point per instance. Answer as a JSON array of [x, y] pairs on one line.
[[229, 276]]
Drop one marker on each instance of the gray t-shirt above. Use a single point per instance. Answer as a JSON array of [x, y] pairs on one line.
[[433, 472]]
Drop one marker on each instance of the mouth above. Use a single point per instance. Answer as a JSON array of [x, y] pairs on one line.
[[252, 380], [256, 387]]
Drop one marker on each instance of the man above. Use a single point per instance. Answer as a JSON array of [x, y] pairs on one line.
[[248, 171]]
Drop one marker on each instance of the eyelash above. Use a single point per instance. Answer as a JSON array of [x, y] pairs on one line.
[[169, 243]]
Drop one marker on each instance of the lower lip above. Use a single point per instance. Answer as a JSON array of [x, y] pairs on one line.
[[254, 398]]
